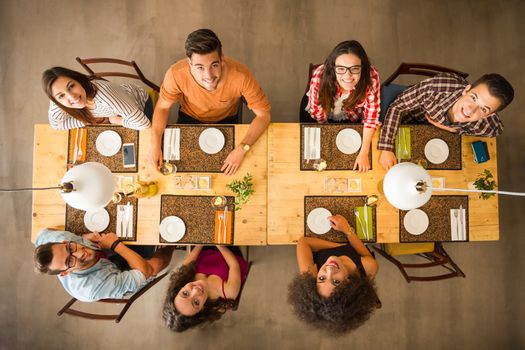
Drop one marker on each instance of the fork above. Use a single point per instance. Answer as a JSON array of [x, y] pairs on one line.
[[356, 212], [405, 150]]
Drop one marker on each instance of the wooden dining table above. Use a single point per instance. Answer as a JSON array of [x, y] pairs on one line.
[[49, 166], [288, 186]]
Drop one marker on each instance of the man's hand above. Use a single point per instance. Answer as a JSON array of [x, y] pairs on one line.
[[362, 163], [106, 240], [155, 156], [387, 159], [233, 161], [339, 223], [441, 126]]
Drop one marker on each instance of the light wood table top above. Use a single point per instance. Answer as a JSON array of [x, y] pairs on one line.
[[288, 185], [49, 166]]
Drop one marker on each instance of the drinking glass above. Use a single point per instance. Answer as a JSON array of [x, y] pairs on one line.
[[168, 168]]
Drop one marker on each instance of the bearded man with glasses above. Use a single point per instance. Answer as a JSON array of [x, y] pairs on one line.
[[96, 266]]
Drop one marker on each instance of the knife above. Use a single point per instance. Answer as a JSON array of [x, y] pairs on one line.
[[177, 144], [313, 145], [75, 149], [399, 146], [307, 144], [462, 228], [225, 223], [128, 209], [365, 209]]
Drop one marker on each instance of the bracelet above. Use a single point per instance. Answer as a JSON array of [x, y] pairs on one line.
[[115, 244]]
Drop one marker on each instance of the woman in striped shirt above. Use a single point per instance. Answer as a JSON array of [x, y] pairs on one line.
[[346, 88], [77, 100]]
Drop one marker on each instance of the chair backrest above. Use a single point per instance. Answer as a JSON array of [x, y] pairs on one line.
[[438, 257], [428, 70], [389, 91], [116, 317], [85, 62]]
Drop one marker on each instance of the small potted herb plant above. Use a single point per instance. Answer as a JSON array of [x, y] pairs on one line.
[[243, 189], [485, 181]]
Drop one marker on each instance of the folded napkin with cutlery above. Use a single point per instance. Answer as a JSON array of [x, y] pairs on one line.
[[312, 143], [402, 142], [365, 223], [171, 149], [77, 145], [458, 227], [223, 227], [125, 221]]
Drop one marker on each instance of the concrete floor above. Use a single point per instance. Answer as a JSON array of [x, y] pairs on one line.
[[277, 40]]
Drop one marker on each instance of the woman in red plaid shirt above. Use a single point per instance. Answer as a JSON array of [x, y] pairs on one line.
[[347, 86]]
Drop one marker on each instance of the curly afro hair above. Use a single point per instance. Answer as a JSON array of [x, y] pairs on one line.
[[349, 306], [176, 321]]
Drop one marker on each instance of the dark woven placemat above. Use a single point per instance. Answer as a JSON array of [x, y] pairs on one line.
[[192, 158], [335, 159], [114, 163], [198, 216], [421, 134], [342, 205], [438, 211], [75, 218]]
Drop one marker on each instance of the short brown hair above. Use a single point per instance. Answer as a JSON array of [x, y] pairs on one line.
[[202, 42], [498, 87], [44, 257]]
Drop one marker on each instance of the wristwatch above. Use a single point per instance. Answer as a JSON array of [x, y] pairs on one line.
[[246, 147]]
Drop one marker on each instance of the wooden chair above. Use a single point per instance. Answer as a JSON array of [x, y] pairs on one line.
[[390, 91], [434, 254], [85, 62], [117, 317], [428, 70]]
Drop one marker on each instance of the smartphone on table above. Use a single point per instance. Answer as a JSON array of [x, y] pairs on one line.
[[128, 155]]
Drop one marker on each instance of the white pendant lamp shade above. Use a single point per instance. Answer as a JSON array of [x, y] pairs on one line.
[[407, 186], [93, 186]]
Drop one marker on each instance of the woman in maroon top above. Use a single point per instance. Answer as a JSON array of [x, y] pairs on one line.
[[204, 287]]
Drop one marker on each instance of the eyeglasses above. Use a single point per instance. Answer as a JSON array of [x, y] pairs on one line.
[[342, 69], [71, 248]]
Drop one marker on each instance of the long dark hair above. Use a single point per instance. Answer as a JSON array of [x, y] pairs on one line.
[[347, 308], [328, 85], [177, 322], [51, 75]]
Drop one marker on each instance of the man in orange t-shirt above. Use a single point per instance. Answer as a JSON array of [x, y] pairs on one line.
[[208, 87]]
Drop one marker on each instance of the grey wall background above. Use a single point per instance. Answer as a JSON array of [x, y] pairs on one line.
[[277, 40]]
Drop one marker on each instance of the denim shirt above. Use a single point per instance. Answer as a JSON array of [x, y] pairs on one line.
[[100, 281]]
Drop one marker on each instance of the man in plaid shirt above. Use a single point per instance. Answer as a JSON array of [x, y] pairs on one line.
[[448, 102]]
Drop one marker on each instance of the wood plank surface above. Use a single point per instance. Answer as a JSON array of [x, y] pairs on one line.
[[287, 186], [49, 166]]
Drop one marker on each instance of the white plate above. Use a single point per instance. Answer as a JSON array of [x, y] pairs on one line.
[[108, 143], [348, 141], [211, 140], [416, 221], [97, 220], [172, 228], [317, 221], [436, 151]]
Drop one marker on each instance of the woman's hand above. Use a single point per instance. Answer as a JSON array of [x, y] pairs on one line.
[[116, 120], [339, 223], [362, 163]]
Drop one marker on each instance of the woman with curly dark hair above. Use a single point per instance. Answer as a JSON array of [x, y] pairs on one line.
[[204, 287], [345, 88], [334, 290]]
